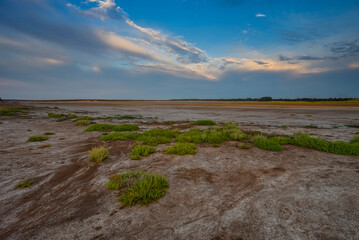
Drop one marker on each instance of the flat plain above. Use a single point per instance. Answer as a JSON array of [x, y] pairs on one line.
[[220, 192]]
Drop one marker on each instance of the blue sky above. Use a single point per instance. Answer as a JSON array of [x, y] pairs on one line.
[[109, 49]]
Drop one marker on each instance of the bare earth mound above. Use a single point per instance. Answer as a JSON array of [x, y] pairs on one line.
[[219, 193]]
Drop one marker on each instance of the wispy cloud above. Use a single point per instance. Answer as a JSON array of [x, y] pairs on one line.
[[261, 15]]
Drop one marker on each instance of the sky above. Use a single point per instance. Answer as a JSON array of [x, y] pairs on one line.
[[178, 49]]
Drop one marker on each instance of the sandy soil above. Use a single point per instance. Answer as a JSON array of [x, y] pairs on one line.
[[219, 193]]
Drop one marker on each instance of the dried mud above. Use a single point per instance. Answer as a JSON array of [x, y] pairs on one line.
[[218, 193]]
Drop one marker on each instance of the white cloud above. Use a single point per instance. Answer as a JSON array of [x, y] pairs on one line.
[[260, 15]]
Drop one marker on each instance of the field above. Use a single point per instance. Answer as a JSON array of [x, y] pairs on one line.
[[211, 189]]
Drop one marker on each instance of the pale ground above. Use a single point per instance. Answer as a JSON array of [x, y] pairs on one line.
[[221, 193]]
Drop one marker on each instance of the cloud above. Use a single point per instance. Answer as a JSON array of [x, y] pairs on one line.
[[12, 83], [260, 62], [260, 15], [345, 48]]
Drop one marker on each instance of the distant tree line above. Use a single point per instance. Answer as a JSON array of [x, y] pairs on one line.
[[264, 99]]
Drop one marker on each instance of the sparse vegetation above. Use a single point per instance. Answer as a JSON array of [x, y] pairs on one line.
[[138, 187], [9, 111], [354, 139], [37, 138], [98, 154], [128, 117], [24, 184], [293, 114], [357, 133], [82, 122], [44, 146], [71, 115], [119, 136], [83, 118], [345, 148], [281, 140], [182, 149], [267, 144], [204, 122], [54, 115], [1, 122], [154, 137], [49, 133], [244, 146], [110, 127], [141, 151], [284, 127], [352, 126], [308, 115]]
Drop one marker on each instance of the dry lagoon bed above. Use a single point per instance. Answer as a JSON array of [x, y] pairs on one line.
[[218, 193]]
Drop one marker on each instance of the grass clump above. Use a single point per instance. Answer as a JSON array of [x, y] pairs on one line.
[[141, 151], [244, 146], [82, 122], [24, 184], [119, 136], [44, 146], [293, 114], [281, 140], [49, 133], [284, 127], [354, 139], [110, 127], [267, 144], [204, 122], [98, 154], [9, 111], [154, 137], [182, 149], [37, 138], [345, 148], [138, 187], [128, 117], [308, 115], [71, 115], [55, 115]]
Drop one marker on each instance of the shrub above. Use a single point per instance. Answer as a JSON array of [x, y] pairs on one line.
[[98, 154], [181, 149], [204, 122], [49, 133], [37, 138], [138, 187], [304, 140], [110, 127], [82, 122], [55, 115], [9, 111], [119, 136], [244, 146], [44, 146], [268, 144], [141, 151], [24, 184]]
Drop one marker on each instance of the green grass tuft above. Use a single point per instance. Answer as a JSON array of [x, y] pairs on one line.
[[281, 140], [119, 136], [138, 187], [354, 139], [24, 184], [49, 133], [55, 115], [204, 122], [267, 144], [284, 127], [82, 122], [182, 149], [98, 154], [244, 146], [110, 127], [9, 111], [345, 148], [37, 138], [141, 151], [71, 115]]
